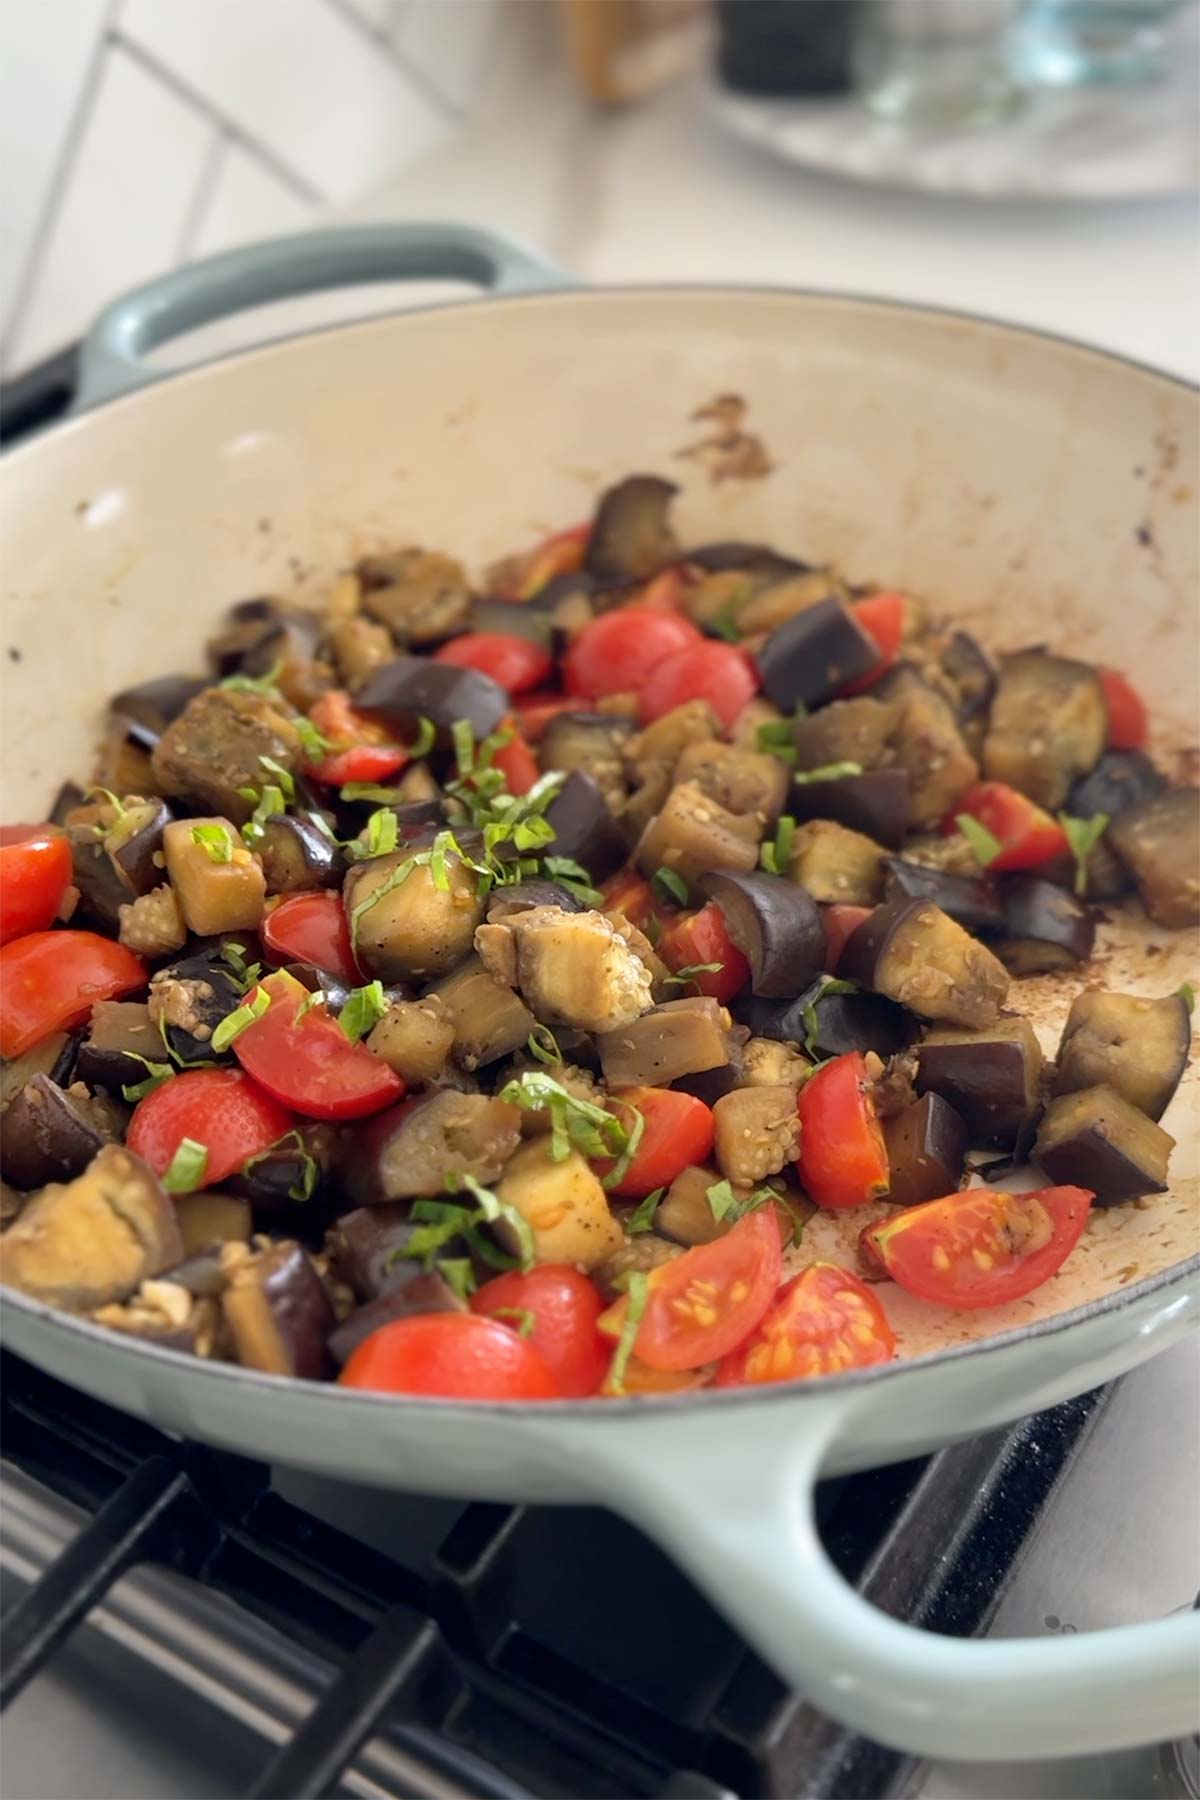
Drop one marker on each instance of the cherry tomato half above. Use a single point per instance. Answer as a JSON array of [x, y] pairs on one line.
[[843, 1159], [35, 870], [841, 921], [457, 1355], [518, 765], [703, 937], [616, 652], [515, 662], [360, 748], [561, 554], [707, 1301], [1027, 836], [561, 1306], [980, 1247], [678, 1131], [50, 980], [665, 591], [883, 618], [313, 929], [308, 1063], [535, 711], [719, 673], [631, 895], [824, 1321], [1127, 724], [219, 1108]]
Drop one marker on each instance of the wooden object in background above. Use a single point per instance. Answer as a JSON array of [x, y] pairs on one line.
[[621, 50]]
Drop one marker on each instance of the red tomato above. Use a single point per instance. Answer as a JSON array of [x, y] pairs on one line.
[[719, 673], [219, 1108], [563, 1306], [1127, 726], [561, 554], [678, 1131], [309, 1063], [457, 1355], [843, 1161], [535, 711], [616, 652], [703, 937], [640, 1378], [517, 764], [515, 662], [703, 1304], [882, 617], [824, 1321], [361, 749], [840, 923], [981, 1247], [1027, 836], [50, 980], [35, 870], [313, 929], [629, 894]]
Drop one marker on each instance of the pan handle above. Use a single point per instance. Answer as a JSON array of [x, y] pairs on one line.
[[112, 358], [736, 1509]]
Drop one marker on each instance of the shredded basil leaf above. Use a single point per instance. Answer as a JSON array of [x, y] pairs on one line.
[[634, 1135], [574, 1123], [118, 807], [378, 837], [186, 1169], [363, 1009], [284, 777], [310, 1173], [318, 997], [234, 1023], [837, 771], [985, 846], [493, 1209], [670, 885], [256, 684], [1082, 836], [159, 1072], [313, 742], [683, 976], [525, 1319], [543, 1046], [268, 804], [642, 1217], [425, 739], [574, 877], [775, 855], [721, 1198], [812, 1026], [638, 1293], [726, 1205], [459, 1276], [215, 840], [245, 974], [723, 623]]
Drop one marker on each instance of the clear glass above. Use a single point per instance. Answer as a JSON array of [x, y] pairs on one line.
[[1069, 43], [936, 63]]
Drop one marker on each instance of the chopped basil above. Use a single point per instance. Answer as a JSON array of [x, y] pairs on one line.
[[642, 1216], [525, 1319], [777, 854], [778, 736], [543, 1046], [159, 1072], [829, 985], [363, 1009], [838, 771], [186, 1169], [367, 790], [723, 623], [268, 804], [284, 777], [574, 1123], [985, 846], [634, 1135], [721, 1198], [425, 739], [314, 743], [1082, 836], [459, 1276], [437, 1222], [318, 997], [256, 684], [234, 1023], [378, 837], [246, 974], [726, 1205], [638, 1294], [1187, 994], [492, 1208], [574, 877], [310, 1172], [670, 885], [215, 840], [681, 977]]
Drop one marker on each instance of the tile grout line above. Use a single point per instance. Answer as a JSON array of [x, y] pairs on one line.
[[283, 172], [57, 186], [201, 196], [400, 63]]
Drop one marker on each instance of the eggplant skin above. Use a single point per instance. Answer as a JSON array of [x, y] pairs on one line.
[[406, 1298], [807, 660], [1095, 1139], [47, 1134], [411, 688], [1159, 843], [927, 1148], [844, 1021], [914, 953], [971, 901], [991, 1078], [631, 535], [877, 803], [584, 828], [1121, 779], [1048, 725], [1138, 1046], [774, 923], [1045, 927]]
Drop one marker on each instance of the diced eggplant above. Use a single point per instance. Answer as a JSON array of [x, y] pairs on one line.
[[367, 1247], [991, 1078], [487, 1019], [69, 796], [152, 925], [774, 923], [858, 730], [188, 1000], [765, 606], [1121, 779], [755, 559], [681, 1037], [424, 1292], [1139, 1047], [215, 748], [817, 652], [912, 952], [147, 709], [640, 1255], [710, 1085], [414, 1037], [296, 856], [685, 1214], [207, 1220], [94, 1239], [877, 803], [584, 828], [165, 1313], [521, 896], [285, 1185], [528, 619], [410, 1151], [1048, 725], [845, 1022], [743, 782], [120, 1033], [214, 896], [54, 1056], [971, 673], [773, 1062], [114, 867], [631, 535], [420, 595], [574, 969], [660, 745], [359, 646], [122, 766], [1159, 843], [408, 927], [594, 743], [279, 1314], [413, 688], [49, 1133], [928, 745], [267, 637], [1045, 927], [971, 901], [1095, 1139], [756, 1131], [1105, 875], [836, 865], [563, 1204], [926, 1148]]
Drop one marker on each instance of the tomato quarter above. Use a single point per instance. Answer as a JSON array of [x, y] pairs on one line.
[[457, 1355], [1027, 836], [561, 554], [843, 1159], [823, 1322], [515, 662], [1127, 724], [360, 748], [719, 673], [631, 895], [312, 929], [703, 1304], [35, 871], [535, 711], [219, 1108], [883, 618], [50, 980], [562, 1307], [616, 652], [678, 1131], [308, 1063], [703, 937], [981, 1247], [518, 765]]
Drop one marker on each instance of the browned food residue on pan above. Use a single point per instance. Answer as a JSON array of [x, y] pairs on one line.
[[729, 452]]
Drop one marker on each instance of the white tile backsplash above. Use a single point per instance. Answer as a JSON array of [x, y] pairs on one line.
[[447, 41], [247, 200]]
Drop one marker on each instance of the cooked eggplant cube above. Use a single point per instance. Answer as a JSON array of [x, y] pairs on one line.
[[564, 1205], [991, 1078], [927, 1147], [1048, 725], [584, 828], [424, 1291], [1159, 843], [928, 745], [420, 595], [1121, 779], [757, 1130], [570, 968], [218, 883], [407, 926], [188, 1000], [297, 857], [858, 730], [412, 688], [692, 835], [522, 896], [970, 672], [754, 559], [1095, 1139], [153, 705], [814, 654], [279, 1314], [54, 1056], [487, 1019], [844, 1022], [970, 900], [413, 1151], [681, 1037], [367, 1248], [685, 1214], [631, 536], [414, 1037], [49, 1133], [592, 742], [743, 782], [1139, 1047], [119, 1035], [775, 924], [877, 803], [913, 953], [836, 865], [208, 1220], [215, 748], [284, 1189], [1045, 927]]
